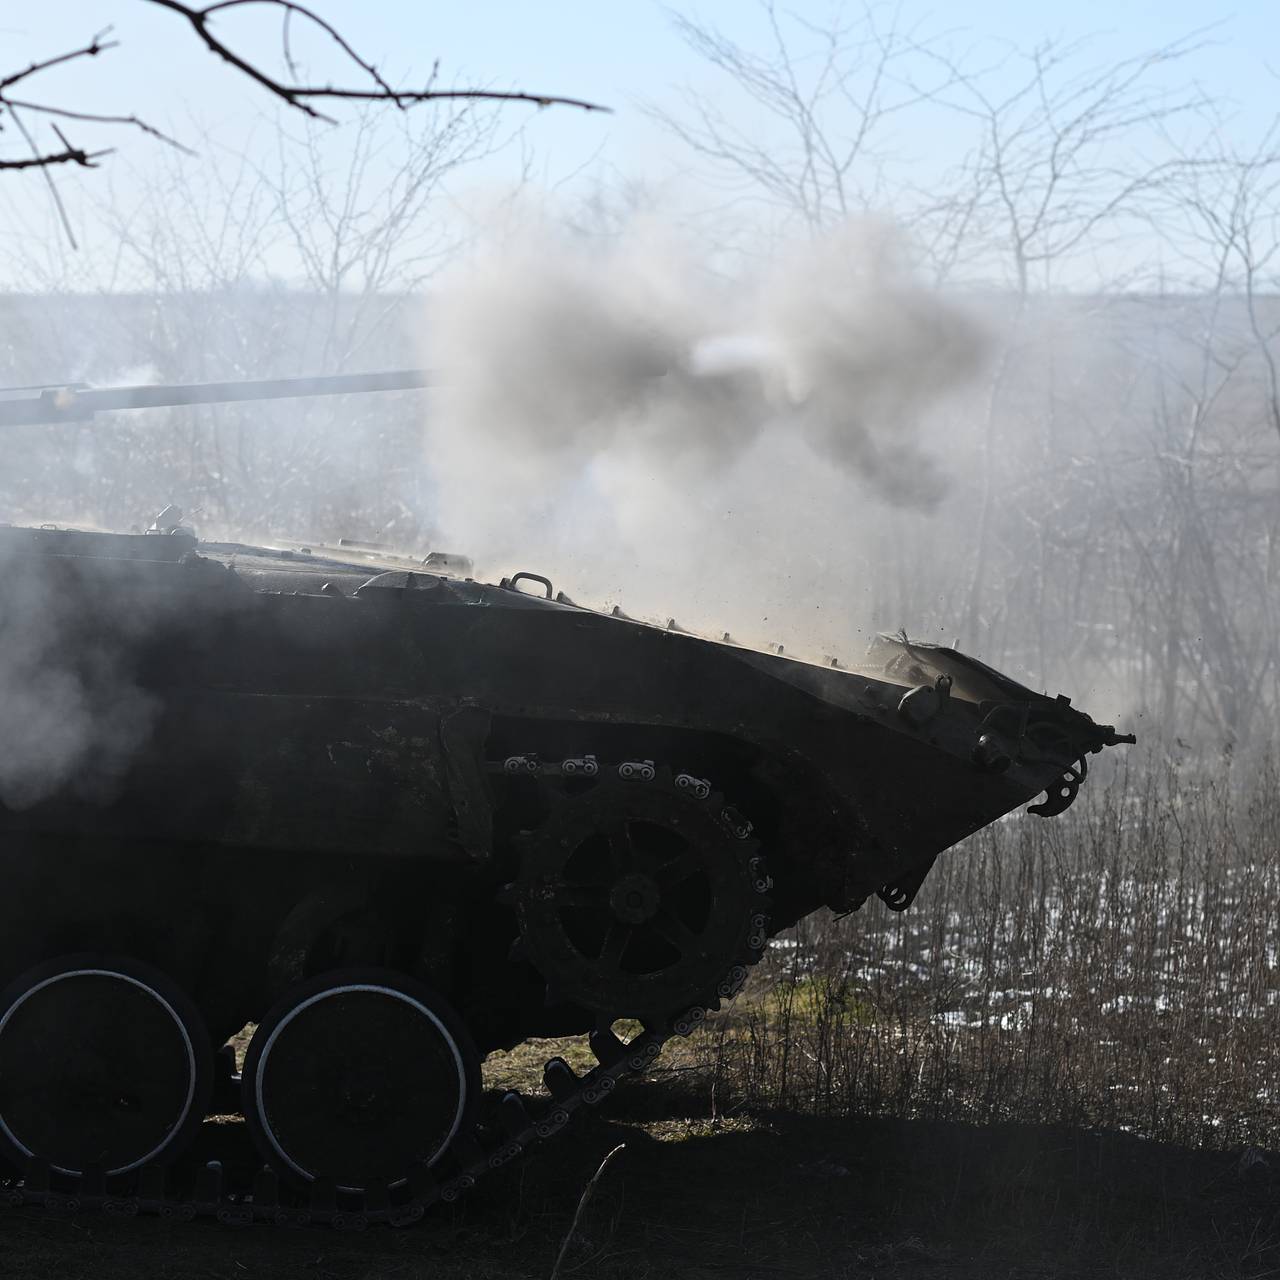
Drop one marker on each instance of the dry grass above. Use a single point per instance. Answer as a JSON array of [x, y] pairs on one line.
[[1116, 966]]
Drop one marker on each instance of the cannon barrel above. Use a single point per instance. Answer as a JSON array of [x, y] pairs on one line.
[[80, 404]]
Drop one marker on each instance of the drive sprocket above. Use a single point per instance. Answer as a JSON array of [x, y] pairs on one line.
[[641, 895]]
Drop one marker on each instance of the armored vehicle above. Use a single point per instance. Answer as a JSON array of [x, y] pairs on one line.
[[398, 818]]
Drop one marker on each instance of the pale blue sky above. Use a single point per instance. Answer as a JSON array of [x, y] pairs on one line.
[[617, 53], [607, 51]]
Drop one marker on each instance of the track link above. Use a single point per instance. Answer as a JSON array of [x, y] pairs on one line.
[[183, 1194]]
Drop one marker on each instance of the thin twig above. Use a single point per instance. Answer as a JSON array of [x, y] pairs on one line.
[[66, 113], [587, 1192], [90, 50], [48, 177], [69, 154]]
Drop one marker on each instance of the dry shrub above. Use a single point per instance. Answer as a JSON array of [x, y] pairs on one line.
[[1116, 966]]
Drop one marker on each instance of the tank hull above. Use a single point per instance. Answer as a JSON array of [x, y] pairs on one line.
[[245, 769], [258, 725]]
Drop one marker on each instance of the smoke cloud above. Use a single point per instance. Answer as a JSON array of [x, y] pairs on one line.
[[619, 413], [73, 713]]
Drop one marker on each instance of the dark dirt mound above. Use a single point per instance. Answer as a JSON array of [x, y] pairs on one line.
[[757, 1196]]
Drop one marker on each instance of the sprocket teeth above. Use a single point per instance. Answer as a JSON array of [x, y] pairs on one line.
[[710, 826]]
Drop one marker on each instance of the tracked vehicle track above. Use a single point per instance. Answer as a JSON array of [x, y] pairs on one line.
[[184, 1194], [185, 1191]]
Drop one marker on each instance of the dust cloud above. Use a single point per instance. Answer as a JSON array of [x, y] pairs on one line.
[[687, 444]]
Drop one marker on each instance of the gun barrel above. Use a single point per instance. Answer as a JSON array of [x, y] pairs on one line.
[[72, 404]]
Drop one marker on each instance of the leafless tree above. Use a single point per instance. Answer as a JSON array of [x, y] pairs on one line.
[[1062, 166], [1208, 543], [1117, 509], [817, 101], [1063, 156]]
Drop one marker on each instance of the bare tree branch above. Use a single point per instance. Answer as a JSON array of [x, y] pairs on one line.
[[95, 46], [65, 113], [300, 97], [42, 163], [821, 171], [67, 155]]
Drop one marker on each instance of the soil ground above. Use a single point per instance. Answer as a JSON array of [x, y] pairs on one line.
[[740, 1197]]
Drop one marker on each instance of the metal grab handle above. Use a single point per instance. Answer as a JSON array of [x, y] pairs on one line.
[[532, 577]]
